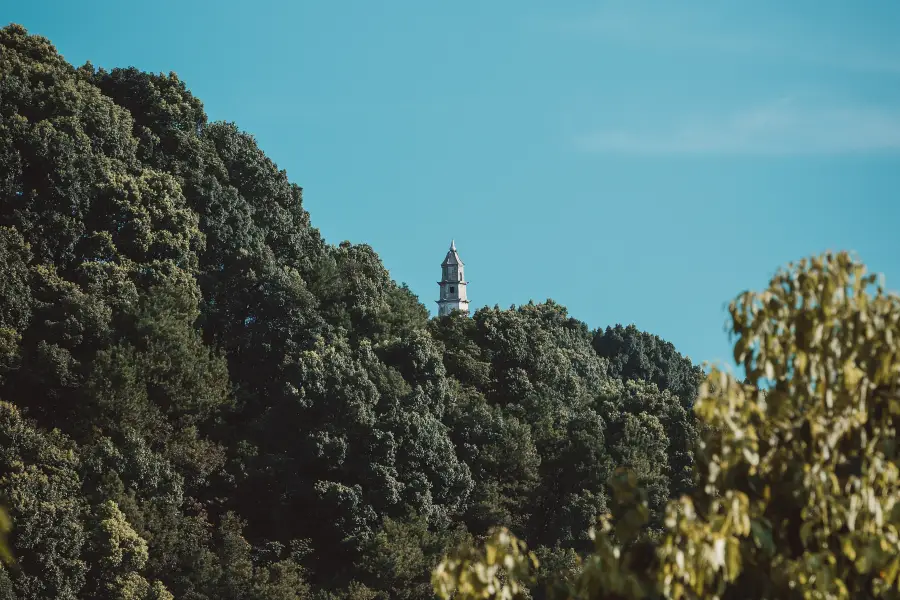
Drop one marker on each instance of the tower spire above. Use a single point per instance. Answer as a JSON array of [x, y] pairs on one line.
[[453, 284]]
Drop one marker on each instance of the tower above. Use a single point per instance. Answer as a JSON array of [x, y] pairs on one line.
[[453, 284]]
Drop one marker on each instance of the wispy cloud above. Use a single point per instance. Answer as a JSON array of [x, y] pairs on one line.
[[781, 128], [695, 30]]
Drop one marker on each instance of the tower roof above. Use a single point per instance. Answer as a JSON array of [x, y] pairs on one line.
[[452, 257]]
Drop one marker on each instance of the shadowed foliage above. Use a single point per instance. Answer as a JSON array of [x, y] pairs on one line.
[[202, 399]]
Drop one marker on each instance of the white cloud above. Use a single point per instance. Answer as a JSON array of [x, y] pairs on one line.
[[777, 129], [703, 30]]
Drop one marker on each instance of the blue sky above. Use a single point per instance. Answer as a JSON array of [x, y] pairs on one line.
[[637, 162]]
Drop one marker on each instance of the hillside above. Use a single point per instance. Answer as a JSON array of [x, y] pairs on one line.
[[202, 399]]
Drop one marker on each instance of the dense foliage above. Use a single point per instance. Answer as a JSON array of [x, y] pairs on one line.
[[201, 399], [799, 466]]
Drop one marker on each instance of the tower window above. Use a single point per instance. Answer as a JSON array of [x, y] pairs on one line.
[[452, 290]]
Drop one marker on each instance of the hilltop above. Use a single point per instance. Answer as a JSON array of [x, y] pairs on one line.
[[202, 399]]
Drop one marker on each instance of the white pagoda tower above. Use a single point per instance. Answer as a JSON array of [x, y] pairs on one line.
[[453, 284]]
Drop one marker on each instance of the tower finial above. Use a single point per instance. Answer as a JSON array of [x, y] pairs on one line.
[[453, 245]]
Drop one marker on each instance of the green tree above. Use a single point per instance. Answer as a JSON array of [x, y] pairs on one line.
[[40, 486], [119, 556], [6, 554], [635, 354], [401, 555], [504, 460]]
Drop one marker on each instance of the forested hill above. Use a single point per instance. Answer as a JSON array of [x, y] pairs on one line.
[[201, 399]]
